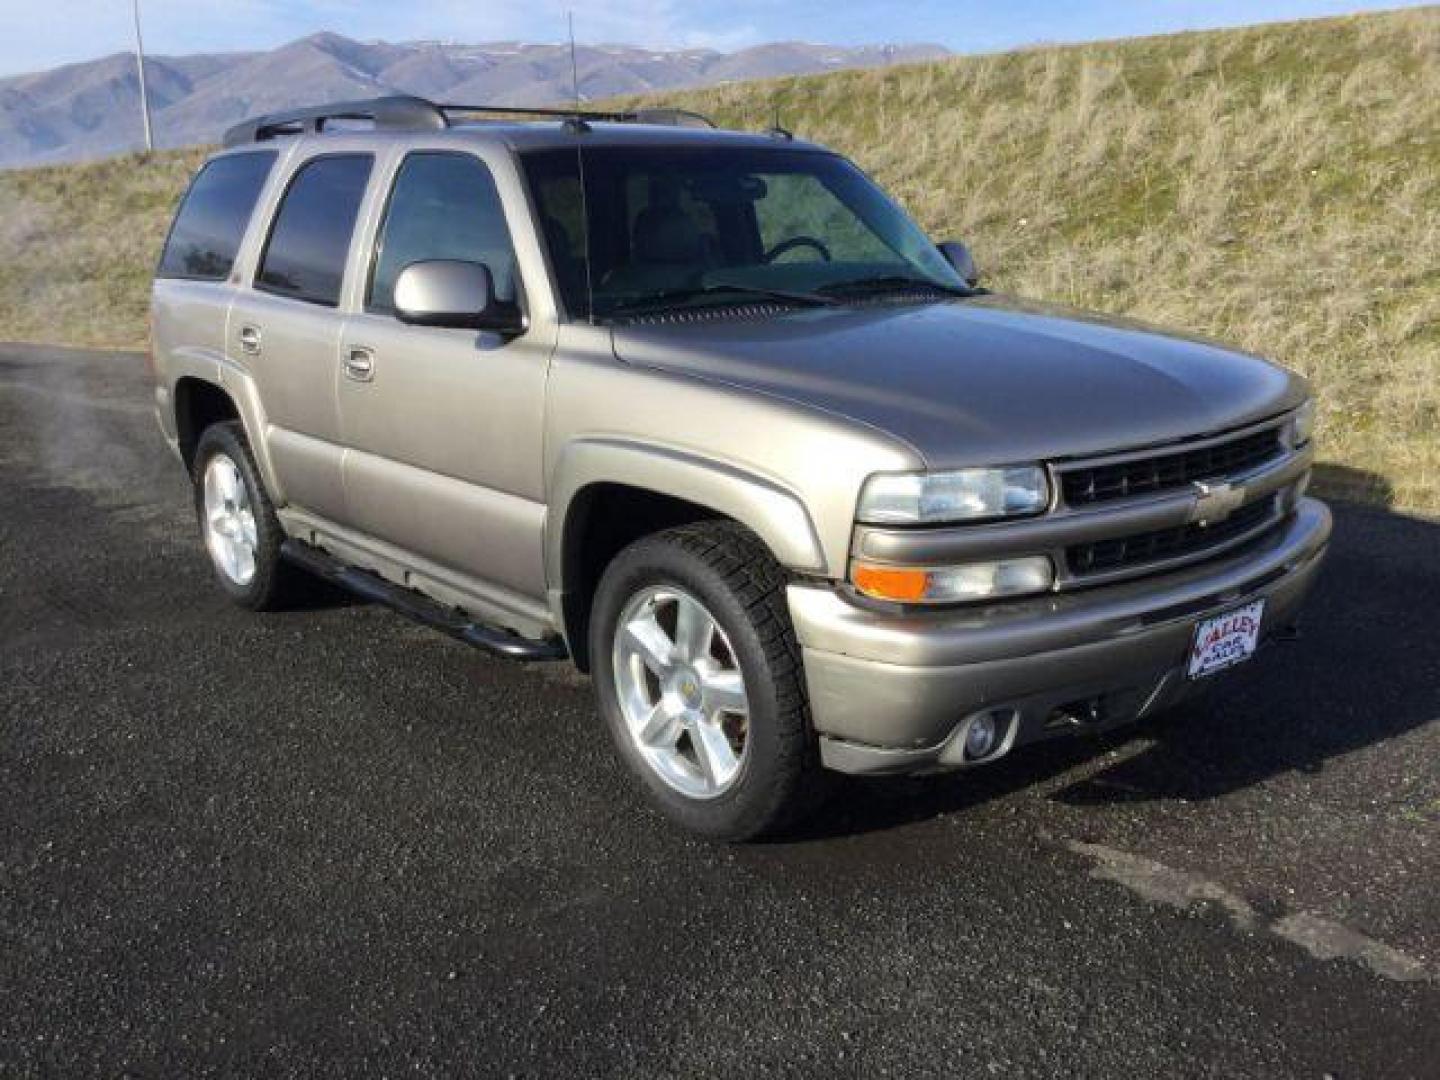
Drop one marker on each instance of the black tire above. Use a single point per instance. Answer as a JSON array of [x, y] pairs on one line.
[[274, 582], [728, 569]]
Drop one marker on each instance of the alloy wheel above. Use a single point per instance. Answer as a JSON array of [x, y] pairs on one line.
[[230, 534], [681, 692]]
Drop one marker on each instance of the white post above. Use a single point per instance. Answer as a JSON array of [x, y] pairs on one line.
[[144, 93]]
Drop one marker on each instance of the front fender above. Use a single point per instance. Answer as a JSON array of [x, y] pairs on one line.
[[766, 507]]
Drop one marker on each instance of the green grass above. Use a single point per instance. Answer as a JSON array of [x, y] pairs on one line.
[[1276, 187]]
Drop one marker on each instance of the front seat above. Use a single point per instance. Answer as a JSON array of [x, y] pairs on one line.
[[664, 232]]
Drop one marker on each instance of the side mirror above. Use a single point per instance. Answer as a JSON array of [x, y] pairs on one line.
[[448, 292], [958, 256]]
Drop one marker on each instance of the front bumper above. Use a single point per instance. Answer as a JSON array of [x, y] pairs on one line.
[[891, 693]]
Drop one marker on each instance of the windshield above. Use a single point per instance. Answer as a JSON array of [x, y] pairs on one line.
[[684, 226]]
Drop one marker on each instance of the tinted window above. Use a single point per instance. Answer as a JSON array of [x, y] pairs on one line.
[[800, 205], [212, 218], [663, 227], [305, 257], [443, 206], [562, 221]]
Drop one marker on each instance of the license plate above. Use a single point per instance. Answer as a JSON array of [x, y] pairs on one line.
[[1226, 640]]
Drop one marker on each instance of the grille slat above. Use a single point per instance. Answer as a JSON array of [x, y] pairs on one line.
[[1086, 486], [1124, 552]]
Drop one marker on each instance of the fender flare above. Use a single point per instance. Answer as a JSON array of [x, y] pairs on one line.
[[763, 505], [225, 374]]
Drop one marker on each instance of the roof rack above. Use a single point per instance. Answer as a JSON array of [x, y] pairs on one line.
[[405, 113]]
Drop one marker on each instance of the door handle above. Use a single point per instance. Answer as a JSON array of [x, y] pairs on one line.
[[250, 340], [359, 364]]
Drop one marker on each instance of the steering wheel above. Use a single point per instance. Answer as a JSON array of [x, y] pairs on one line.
[[797, 242]]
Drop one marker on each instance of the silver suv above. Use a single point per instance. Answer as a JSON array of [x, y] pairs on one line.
[[707, 413]]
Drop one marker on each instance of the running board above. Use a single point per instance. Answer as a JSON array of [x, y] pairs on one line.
[[420, 608]]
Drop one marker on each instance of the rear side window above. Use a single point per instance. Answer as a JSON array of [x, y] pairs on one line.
[[443, 206], [211, 221], [305, 255]]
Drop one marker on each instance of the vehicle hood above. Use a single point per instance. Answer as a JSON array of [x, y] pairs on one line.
[[987, 380]]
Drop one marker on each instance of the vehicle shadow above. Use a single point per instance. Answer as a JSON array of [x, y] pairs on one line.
[[1361, 671], [1346, 484], [313, 594]]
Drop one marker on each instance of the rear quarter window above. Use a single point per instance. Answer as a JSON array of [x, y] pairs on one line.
[[205, 236]]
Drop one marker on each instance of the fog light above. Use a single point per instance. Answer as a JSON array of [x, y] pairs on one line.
[[981, 736]]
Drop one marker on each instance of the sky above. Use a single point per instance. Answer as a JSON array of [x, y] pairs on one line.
[[35, 36]]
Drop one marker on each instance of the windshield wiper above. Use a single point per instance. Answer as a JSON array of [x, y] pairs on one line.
[[720, 289], [894, 283]]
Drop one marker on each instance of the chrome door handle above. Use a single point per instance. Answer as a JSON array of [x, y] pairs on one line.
[[359, 364], [250, 340]]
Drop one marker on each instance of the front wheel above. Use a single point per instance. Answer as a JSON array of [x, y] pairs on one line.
[[698, 676]]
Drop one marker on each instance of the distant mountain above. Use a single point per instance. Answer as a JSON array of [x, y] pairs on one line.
[[92, 109]]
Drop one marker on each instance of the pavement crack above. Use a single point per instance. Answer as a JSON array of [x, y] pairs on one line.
[[1322, 938]]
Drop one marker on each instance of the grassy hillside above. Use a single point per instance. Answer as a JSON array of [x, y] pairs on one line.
[[1277, 187], [78, 244]]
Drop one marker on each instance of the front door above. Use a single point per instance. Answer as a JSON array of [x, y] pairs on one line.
[[444, 426]]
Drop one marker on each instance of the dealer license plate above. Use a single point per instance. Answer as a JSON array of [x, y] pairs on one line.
[[1226, 640]]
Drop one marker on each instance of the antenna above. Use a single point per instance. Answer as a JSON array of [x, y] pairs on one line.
[[580, 127], [574, 65], [776, 130], [144, 92]]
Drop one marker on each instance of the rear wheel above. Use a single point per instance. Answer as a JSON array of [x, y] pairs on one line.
[[698, 676], [237, 521]]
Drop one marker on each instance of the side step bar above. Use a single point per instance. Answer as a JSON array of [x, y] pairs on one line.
[[420, 608]]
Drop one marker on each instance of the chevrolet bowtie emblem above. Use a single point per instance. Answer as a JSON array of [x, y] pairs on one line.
[[1215, 502]]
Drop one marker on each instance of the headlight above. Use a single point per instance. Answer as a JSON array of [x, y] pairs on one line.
[[954, 584], [1302, 424], [962, 495]]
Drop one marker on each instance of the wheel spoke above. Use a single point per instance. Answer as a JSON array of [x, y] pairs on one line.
[[660, 729], [232, 557], [244, 561], [694, 629], [247, 532], [646, 637], [713, 753], [725, 693], [214, 497], [229, 482]]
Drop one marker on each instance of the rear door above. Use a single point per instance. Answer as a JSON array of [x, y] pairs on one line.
[[192, 292], [444, 426], [285, 328]]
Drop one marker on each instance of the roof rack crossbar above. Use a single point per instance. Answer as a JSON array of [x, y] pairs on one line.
[[650, 115], [539, 113], [405, 113]]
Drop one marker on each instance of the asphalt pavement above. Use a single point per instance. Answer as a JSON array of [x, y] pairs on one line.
[[329, 842]]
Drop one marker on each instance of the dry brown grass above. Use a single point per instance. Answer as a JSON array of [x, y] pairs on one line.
[[78, 243], [1278, 188]]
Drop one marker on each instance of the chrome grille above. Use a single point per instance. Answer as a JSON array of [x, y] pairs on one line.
[[1088, 485], [1142, 549]]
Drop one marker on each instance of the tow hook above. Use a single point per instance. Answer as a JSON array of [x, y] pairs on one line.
[[1075, 714]]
